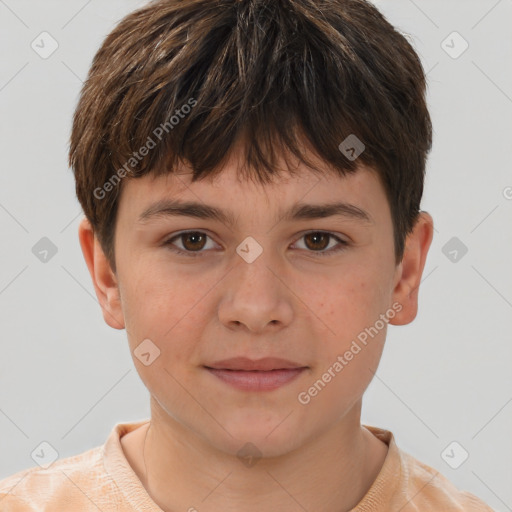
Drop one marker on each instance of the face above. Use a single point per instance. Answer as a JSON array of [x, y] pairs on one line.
[[316, 291]]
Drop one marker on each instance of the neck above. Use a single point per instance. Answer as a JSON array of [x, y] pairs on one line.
[[332, 471]]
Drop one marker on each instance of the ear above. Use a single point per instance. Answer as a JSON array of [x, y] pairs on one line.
[[104, 280], [410, 270]]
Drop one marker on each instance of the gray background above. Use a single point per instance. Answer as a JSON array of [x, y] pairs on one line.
[[67, 378]]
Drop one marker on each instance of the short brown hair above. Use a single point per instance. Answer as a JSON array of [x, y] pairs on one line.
[[276, 71]]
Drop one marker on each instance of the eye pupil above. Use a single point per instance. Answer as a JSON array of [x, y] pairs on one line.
[[193, 236], [316, 237]]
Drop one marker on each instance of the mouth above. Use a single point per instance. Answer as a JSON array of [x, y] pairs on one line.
[[256, 375], [264, 364]]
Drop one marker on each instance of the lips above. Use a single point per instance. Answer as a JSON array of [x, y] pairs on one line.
[[254, 380], [264, 365]]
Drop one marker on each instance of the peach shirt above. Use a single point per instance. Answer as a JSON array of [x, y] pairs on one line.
[[101, 479]]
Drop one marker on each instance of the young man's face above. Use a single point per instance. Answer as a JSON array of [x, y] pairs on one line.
[[299, 300]]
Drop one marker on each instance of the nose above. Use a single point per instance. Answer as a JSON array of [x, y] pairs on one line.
[[256, 297]]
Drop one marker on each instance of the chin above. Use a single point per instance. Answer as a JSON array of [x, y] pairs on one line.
[[258, 438]]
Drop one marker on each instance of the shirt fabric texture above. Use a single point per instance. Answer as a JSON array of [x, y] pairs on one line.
[[101, 479]]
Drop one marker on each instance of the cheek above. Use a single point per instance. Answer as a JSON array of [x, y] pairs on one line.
[[169, 314], [350, 370], [352, 345], [167, 309], [352, 302]]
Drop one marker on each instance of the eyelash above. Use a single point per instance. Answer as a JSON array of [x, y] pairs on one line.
[[342, 244]]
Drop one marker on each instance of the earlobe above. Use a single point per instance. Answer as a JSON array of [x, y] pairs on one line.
[[104, 280], [411, 268]]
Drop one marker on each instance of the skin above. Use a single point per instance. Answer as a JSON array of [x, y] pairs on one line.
[[290, 302]]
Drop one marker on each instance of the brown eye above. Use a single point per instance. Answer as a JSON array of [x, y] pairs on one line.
[[190, 243], [193, 241], [319, 241], [322, 243]]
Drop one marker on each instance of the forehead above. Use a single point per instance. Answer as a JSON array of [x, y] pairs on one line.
[[356, 197], [231, 184]]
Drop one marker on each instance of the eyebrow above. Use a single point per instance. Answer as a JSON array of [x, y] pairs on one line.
[[300, 211]]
